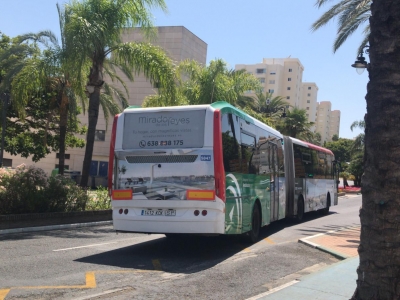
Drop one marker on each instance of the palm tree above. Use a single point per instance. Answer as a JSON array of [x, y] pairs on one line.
[[92, 31], [359, 140], [296, 124], [33, 73], [198, 84], [378, 272], [351, 14]]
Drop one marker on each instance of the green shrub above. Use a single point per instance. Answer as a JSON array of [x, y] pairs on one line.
[[22, 190], [99, 200], [64, 195], [28, 189]]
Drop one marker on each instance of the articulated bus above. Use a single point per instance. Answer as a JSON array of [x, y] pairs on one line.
[[212, 169]]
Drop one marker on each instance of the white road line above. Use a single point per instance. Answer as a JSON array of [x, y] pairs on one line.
[[87, 246], [274, 290], [139, 239]]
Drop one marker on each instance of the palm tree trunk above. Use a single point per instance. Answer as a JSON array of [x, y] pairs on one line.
[[93, 111], [63, 133], [63, 102], [379, 250]]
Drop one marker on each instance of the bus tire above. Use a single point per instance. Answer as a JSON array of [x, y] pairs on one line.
[[254, 233], [300, 210], [325, 210]]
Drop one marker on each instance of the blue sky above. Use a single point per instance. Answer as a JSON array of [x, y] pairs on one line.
[[243, 32]]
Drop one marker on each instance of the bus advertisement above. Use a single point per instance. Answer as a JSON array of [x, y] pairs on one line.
[[212, 169]]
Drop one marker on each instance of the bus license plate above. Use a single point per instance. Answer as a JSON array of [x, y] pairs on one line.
[[158, 212]]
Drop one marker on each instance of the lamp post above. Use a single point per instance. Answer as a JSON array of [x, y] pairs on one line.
[[360, 64], [5, 102]]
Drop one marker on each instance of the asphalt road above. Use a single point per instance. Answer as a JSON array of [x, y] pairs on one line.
[[95, 263]]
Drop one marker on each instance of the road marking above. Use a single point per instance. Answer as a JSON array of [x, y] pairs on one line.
[[90, 282], [269, 241], [87, 246], [3, 293], [274, 290], [156, 264]]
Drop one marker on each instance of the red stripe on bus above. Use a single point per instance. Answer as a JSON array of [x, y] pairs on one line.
[[112, 154], [315, 147], [219, 171]]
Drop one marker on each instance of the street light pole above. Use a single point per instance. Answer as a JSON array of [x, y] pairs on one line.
[[5, 102]]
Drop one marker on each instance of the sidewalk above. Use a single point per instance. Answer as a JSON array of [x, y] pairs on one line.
[[335, 282]]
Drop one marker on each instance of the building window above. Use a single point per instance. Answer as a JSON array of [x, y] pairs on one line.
[[307, 108], [307, 115], [289, 79], [261, 71], [288, 97], [308, 101], [7, 162], [271, 82], [262, 80], [309, 87], [66, 156], [100, 135], [288, 88], [271, 91], [290, 70], [272, 73], [308, 94], [287, 106], [66, 167]]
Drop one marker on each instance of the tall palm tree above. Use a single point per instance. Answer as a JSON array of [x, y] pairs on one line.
[[351, 14], [296, 124], [198, 84], [359, 139], [92, 31], [379, 269], [33, 72], [378, 272]]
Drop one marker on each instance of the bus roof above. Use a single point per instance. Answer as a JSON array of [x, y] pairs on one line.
[[311, 146]]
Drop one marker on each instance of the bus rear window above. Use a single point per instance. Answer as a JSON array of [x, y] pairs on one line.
[[164, 130]]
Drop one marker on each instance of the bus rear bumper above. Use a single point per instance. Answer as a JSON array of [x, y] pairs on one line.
[[183, 219]]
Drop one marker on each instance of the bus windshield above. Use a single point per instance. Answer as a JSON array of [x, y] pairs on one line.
[[163, 156]]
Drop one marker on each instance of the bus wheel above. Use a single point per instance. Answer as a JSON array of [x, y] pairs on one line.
[[254, 233], [300, 209], [325, 210]]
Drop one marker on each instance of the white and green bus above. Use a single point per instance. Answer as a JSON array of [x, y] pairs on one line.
[[212, 169]]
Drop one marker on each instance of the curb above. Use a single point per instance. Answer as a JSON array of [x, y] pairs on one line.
[[53, 227], [338, 255]]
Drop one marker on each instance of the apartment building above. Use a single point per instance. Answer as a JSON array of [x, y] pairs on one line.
[[283, 77], [279, 76], [179, 44], [335, 123]]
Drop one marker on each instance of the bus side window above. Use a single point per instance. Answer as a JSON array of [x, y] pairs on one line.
[[230, 143]]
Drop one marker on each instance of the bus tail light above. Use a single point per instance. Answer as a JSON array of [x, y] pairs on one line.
[[196, 212], [122, 194], [121, 211], [207, 195], [204, 213]]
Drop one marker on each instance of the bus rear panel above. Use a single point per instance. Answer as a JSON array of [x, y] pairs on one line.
[[163, 172]]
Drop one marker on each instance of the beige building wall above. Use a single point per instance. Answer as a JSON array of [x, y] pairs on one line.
[[179, 44], [323, 120], [309, 94], [335, 123], [279, 76]]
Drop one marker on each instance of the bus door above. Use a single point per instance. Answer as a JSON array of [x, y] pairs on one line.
[[274, 187]]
